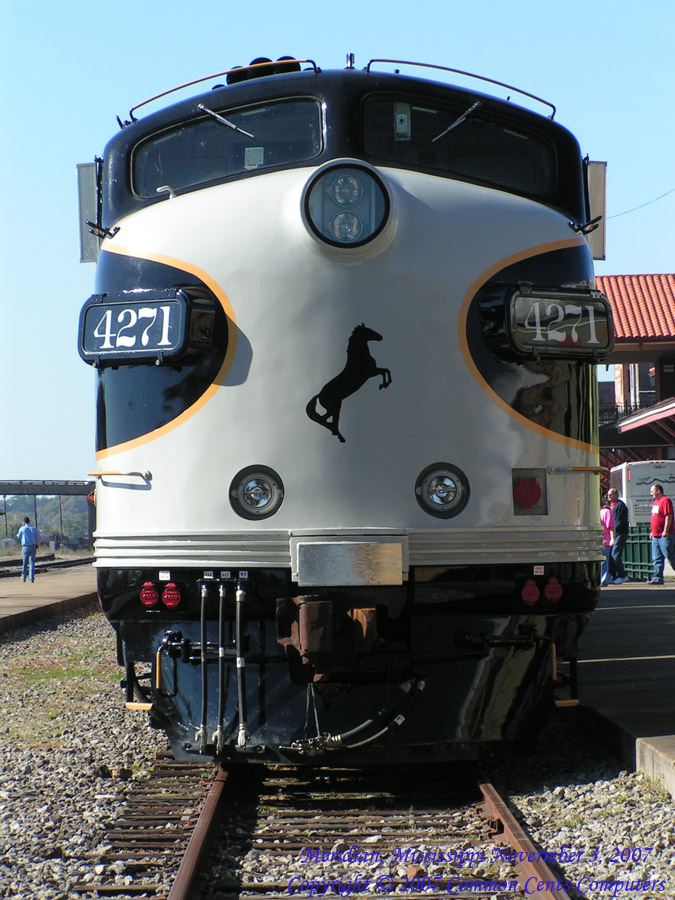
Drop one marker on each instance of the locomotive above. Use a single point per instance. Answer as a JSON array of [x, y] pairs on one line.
[[345, 334]]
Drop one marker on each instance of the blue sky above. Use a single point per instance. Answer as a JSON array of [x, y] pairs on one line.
[[68, 68]]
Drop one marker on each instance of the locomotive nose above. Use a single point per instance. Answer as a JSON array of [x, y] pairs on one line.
[[346, 204]]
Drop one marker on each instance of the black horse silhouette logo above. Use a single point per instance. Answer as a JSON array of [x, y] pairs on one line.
[[360, 366]]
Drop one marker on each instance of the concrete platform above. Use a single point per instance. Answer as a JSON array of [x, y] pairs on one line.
[[51, 593], [627, 676]]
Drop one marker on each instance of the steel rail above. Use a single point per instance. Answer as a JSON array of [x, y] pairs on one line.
[[184, 882], [503, 822]]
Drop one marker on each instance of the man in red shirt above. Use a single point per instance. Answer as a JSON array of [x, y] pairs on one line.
[[663, 539]]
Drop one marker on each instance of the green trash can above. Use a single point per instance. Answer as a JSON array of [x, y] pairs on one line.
[[637, 554]]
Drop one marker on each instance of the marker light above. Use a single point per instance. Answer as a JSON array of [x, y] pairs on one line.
[[346, 205], [553, 590], [256, 492], [529, 492], [530, 592], [149, 594], [442, 490], [171, 596]]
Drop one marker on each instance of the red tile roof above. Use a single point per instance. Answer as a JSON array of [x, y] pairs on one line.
[[643, 305]]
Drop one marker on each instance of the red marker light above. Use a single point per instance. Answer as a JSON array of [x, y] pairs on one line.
[[171, 595], [553, 590], [149, 594], [527, 492], [530, 593]]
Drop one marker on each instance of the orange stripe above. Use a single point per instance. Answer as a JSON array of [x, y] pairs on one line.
[[468, 359], [229, 312], [224, 301]]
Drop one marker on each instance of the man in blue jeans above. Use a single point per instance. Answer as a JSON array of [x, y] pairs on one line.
[[620, 511], [663, 539], [30, 541]]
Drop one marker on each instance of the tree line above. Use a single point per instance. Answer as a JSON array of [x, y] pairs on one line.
[[65, 522]]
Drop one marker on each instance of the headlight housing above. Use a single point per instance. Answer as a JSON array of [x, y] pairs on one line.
[[442, 490], [256, 492], [346, 205]]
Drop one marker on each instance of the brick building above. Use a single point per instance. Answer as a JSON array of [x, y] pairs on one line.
[[637, 418]]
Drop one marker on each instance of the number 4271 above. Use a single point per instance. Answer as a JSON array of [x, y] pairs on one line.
[[568, 316], [134, 325]]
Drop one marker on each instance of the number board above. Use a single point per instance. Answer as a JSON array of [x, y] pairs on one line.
[[139, 325], [558, 324]]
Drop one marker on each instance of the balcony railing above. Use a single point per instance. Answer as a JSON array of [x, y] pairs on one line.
[[609, 415]]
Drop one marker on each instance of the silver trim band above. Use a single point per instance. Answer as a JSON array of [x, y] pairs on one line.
[[420, 548]]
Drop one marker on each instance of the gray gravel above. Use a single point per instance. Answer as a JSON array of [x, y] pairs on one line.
[[610, 832], [69, 750]]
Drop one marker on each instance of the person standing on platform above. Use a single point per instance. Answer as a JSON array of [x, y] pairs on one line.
[[30, 541], [663, 538], [607, 522], [620, 511]]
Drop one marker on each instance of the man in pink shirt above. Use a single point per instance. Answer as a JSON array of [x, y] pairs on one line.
[[608, 533], [663, 539]]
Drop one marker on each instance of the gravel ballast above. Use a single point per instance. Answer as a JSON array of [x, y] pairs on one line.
[[69, 751], [608, 832]]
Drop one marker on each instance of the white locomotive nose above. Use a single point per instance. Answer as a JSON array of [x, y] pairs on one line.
[[347, 204], [346, 413]]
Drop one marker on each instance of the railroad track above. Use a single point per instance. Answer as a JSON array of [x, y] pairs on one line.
[[276, 833], [141, 853], [417, 834], [12, 567]]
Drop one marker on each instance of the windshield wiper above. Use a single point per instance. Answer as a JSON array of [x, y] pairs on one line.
[[457, 121], [225, 121]]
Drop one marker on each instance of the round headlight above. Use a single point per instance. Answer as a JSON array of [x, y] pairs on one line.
[[346, 205], [256, 492], [442, 490], [346, 190], [346, 227]]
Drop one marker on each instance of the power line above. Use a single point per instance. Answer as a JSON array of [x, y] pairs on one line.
[[625, 212]]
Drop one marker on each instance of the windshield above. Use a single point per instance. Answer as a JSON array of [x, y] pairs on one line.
[[458, 141], [226, 142]]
